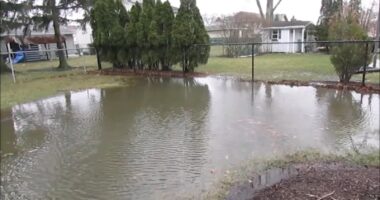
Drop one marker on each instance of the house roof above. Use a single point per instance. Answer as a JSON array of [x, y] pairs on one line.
[[65, 30], [285, 24], [47, 39], [221, 28]]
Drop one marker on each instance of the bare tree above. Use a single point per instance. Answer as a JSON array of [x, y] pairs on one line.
[[241, 27], [209, 19], [271, 7], [369, 20]]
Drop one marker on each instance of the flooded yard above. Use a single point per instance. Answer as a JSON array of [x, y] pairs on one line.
[[162, 138]]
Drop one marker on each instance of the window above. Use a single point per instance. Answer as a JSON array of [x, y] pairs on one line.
[[276, 35]]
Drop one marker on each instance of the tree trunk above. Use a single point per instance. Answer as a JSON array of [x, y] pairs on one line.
[[269, 12], [57, 34], [3, 67]]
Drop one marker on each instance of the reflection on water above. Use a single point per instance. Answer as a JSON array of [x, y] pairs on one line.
[[160, 138]]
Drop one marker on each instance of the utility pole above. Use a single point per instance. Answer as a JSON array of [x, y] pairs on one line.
[[377, 52]]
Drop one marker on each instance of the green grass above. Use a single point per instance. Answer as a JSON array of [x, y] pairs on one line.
[[38, 80], [41, 79], [305, 67]]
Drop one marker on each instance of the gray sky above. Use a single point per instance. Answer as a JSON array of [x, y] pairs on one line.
[[302, 9]]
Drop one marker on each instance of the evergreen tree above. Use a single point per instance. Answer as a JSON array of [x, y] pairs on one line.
[[131, 37], [188, 31], [348, 58], [143, 29], [165, 19], [110, 34]]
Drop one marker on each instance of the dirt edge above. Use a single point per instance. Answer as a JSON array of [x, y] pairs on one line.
[[369, 88]]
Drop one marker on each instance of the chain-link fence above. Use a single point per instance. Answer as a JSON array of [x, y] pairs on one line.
[[300, 61], [45, 61], [277, 61]]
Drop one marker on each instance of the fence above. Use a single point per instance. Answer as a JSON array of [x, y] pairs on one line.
[[308, 61], [45, 60]]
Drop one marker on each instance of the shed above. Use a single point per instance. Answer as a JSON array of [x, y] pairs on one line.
[[282, 34]]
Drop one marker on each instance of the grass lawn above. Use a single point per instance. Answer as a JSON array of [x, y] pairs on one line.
[[304, 67], [40, 79]]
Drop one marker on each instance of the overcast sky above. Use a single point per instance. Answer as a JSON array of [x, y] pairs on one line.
[[307, 10]]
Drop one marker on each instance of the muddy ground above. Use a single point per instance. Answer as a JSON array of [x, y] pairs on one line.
[[328, 181], [352, 86]]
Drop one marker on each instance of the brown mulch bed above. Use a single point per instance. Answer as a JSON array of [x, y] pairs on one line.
[[328, 181]]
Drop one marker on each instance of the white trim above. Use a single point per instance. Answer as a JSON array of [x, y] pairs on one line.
[[287, 27], [302, 39]]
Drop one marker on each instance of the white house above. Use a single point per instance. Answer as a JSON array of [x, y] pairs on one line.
[[38, 40], [284, 32]]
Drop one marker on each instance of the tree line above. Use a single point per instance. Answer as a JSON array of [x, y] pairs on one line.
[[149, 36]]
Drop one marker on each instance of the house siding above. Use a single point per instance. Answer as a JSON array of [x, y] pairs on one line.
[[34, 56], [286, 36]]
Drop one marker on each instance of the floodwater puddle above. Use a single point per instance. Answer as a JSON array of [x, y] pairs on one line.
[[167, 137]]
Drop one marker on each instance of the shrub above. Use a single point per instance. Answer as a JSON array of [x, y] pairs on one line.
[[347, 58]]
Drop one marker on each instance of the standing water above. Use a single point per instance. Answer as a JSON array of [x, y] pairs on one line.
[[162, 138]]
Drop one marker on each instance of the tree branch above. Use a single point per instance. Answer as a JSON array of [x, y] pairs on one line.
[[278, 3], [260, 9]]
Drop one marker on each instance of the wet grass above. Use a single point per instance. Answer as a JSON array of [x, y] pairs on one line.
[[304, 67], [245, 172], [38, 80], [41, 79]]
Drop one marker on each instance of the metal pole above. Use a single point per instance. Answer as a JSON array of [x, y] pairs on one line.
[[98, 59], [253, 62], [67, 53], [365, 64], [11, 62]]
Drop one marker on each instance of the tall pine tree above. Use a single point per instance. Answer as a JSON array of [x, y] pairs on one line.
[[165, 19], [131, 37], [143, 27], [188, 31], [109, 22]]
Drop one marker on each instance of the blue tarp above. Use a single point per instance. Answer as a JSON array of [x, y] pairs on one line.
[[19, 57]]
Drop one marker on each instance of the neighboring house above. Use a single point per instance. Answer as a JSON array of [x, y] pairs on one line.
[[82, 38], [38, 41], [217, 33], [284, 32], [237, 28]]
